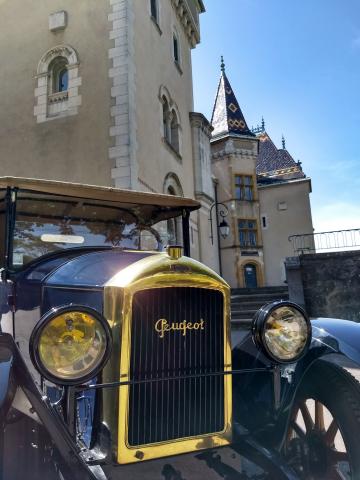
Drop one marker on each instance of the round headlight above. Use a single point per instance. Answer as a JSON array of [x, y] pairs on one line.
[[282, 330], [70, 345]]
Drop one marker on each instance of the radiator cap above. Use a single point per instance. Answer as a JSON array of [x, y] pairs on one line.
[[174, 251]]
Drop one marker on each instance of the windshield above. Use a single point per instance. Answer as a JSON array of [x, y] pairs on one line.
[[46, 225]]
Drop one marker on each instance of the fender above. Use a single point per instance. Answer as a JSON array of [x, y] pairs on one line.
[[332, 340], [338, 336], [253, 393], [7, 384]]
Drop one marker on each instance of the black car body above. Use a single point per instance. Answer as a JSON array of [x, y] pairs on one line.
[[162, 391]]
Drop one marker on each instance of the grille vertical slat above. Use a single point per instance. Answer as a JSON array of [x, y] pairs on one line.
[[184, 407]]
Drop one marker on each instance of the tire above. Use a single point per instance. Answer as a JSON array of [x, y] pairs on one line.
[[314, 441]]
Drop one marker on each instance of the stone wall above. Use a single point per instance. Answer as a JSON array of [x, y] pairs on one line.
[[330, 283]]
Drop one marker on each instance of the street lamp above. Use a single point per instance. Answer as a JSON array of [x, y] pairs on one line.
[[223, 226], [224, 229]]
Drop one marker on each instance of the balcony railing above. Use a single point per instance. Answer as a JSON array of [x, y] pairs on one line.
[[58, 97], [326, 241]]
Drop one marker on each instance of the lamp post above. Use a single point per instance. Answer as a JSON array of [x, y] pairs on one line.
[[222, 228]]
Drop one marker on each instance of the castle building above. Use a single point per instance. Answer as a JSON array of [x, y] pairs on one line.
[[285, 209], [265, 191], [100, 92]]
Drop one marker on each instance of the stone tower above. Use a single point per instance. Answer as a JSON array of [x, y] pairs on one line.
[[234, 151]]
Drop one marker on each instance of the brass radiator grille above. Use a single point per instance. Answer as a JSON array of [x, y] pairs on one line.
[[162, 345]]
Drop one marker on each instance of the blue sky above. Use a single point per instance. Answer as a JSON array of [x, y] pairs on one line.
[[297, 63]]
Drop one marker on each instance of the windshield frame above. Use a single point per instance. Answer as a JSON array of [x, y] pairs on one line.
[[153, 213]]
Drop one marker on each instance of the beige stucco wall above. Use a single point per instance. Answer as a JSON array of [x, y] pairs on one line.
[[286, 207], [72, 148], [208, 249], [153, 55], [116, 138]]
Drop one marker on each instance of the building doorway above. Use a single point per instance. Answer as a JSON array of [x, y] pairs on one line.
[[250, 276]]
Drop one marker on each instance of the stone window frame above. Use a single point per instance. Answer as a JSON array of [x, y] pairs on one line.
[[244, 191], [51, 105], [248, 232], [172, 181], [170, 123]]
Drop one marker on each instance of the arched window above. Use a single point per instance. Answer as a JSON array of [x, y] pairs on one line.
[[63, 80], [175, 132], [172, 223], [171, 122], [154, 10], [172, 186], [166, 120], [176, 50], [58, 82], [59, 75]]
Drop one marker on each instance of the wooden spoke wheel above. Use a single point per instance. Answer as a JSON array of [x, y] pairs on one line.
[[324, 426]]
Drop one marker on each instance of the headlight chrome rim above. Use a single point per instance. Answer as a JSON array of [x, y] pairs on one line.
[[45, 321], [259, 324]]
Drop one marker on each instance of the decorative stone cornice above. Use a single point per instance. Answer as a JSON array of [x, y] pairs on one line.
[[58, 97], [231, 149], [189, 23], [234, 153], [198, 120]]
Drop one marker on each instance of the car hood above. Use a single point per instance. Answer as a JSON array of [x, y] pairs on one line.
[[93, 269]]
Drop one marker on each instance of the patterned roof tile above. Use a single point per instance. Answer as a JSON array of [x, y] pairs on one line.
[[274, 162], [227, 117]]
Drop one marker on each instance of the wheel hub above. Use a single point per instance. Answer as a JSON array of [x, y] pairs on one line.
[[309, 455], [318, 453]]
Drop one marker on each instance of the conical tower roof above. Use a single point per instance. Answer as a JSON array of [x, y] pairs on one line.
[[227, 117]]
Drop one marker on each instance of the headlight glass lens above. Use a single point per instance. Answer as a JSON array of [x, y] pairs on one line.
[[286, 333], [72, 344]]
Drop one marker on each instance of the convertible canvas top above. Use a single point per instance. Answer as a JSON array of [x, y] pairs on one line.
[[94, 192]]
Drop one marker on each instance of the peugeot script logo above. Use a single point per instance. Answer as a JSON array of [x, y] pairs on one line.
[[162, 326]]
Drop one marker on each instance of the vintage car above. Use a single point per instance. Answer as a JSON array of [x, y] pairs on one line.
[[118, 361]]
